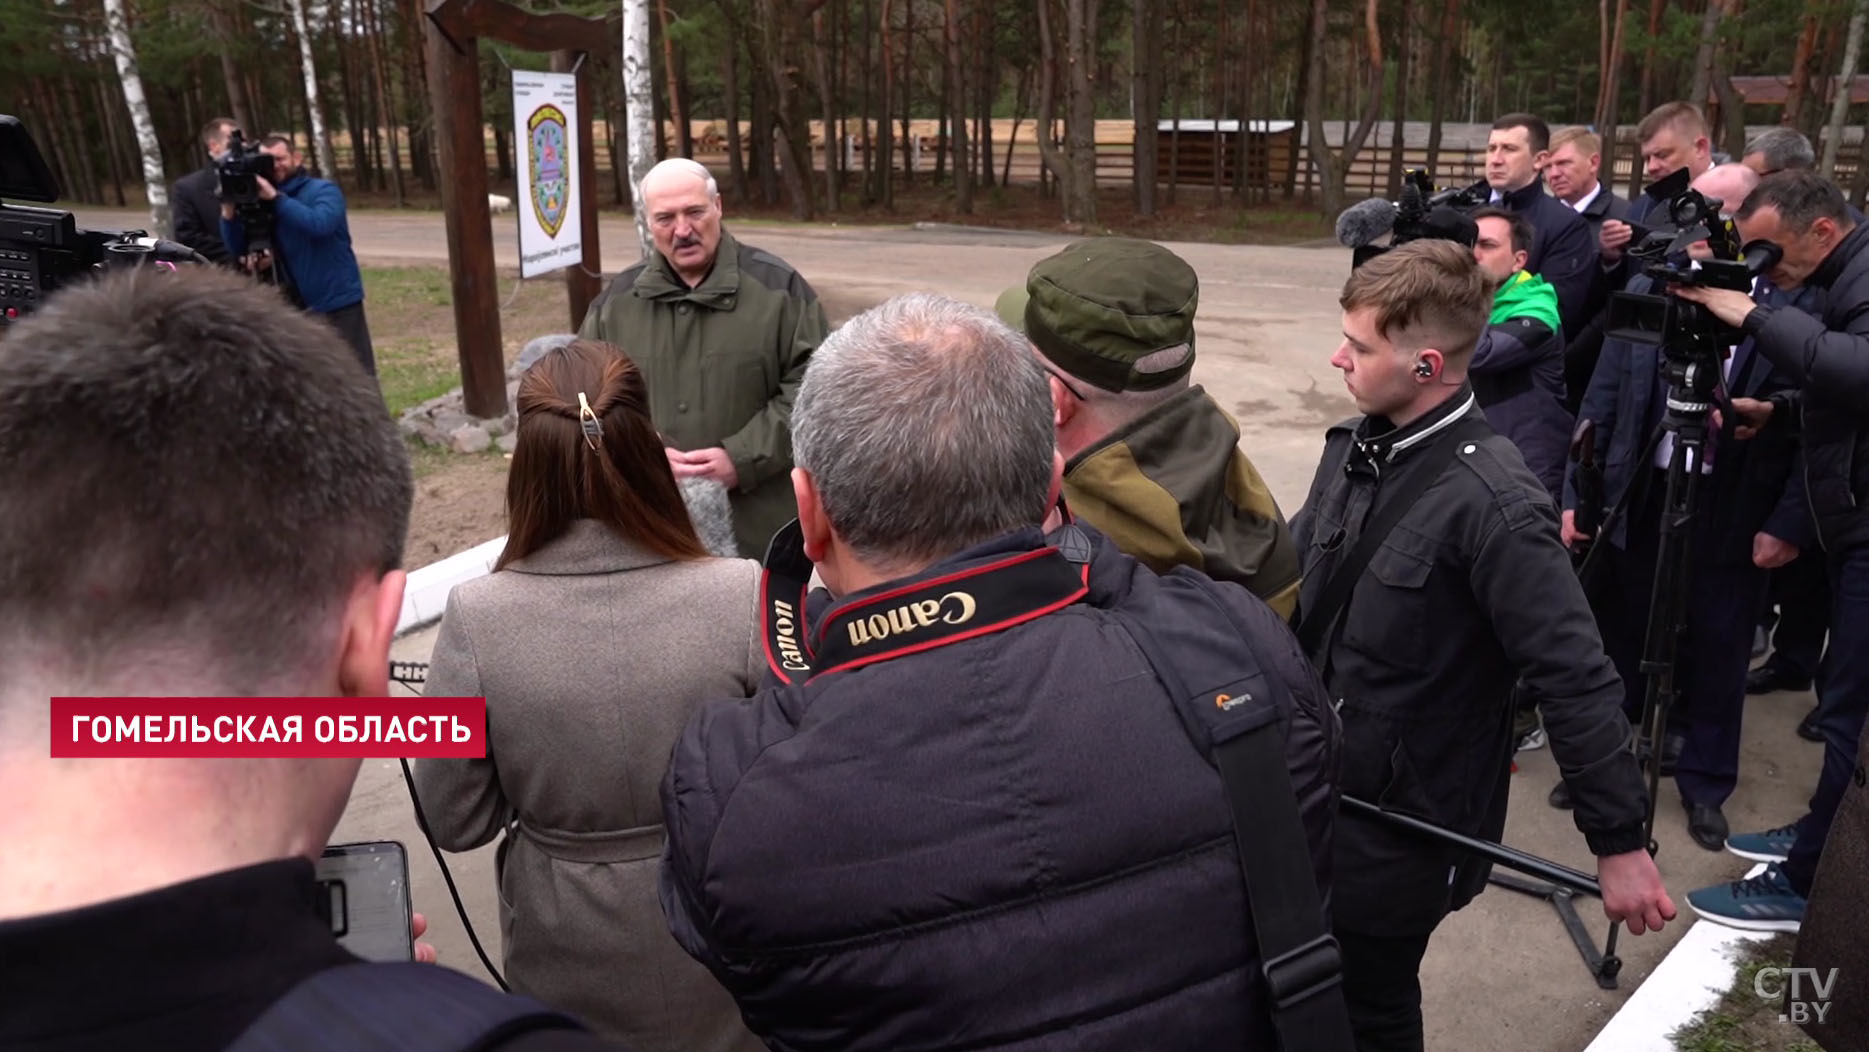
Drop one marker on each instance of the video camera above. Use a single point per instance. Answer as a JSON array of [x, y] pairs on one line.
[[1422, 212], [239, 171], [42, 249], [1684, 330]]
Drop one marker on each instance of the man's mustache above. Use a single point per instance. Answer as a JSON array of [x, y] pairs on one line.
[[688, 242]]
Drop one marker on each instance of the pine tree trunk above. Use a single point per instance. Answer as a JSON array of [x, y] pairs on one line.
[[963, 163], [1798, 87], [1334, 166], [1610, 89], [415, 66], [833, 147], [1703, 58], [385, 101], [1080, 127], [639, 104], [1049, 155], [671, 69], [118, 174], [1397, 137], [885, 128], [1438, 80], [908, 85], [124, 52], [730, 80], [1840, 106], [230, 67]]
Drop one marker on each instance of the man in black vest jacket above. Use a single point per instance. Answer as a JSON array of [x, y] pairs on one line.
[[195, 199], [1468, 593], [1828, 357], [966, 813]]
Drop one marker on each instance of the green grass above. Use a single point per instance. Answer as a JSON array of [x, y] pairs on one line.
[[1742, 1021], [415, 356]]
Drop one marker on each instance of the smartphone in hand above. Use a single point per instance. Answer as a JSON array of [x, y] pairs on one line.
[[364, 890]]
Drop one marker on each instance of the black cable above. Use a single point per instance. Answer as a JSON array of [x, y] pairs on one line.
[[409, 673]]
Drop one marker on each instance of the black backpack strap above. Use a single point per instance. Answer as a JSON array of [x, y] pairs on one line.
[[1316, 621], [402, 1007], [1235, 713]]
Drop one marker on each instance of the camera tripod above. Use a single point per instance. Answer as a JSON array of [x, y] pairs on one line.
[[1693, 381]]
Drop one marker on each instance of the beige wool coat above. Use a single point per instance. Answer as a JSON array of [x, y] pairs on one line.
[[591, 653]]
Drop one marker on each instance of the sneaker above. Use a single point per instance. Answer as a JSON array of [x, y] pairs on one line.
[[1762, 903], [1773, 845], [1533, 739]]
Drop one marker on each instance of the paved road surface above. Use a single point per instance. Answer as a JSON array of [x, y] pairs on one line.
[[1501, 974]]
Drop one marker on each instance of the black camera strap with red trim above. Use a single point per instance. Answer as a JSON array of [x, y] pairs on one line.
[[908, 619]]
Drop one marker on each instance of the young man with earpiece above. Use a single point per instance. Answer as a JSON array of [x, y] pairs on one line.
[[1461, 588]]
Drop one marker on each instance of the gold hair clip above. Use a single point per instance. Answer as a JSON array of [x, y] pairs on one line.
[[587, 419]]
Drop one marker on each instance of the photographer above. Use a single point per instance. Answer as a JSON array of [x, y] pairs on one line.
[[311, 254], [1460, 590], [1750, 521], [1827, 357], [194, 200]]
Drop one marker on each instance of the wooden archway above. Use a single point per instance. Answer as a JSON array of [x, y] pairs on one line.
[[454, 29]]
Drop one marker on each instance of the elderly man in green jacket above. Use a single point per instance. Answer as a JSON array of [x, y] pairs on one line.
[[722, 332], [1151, 461]]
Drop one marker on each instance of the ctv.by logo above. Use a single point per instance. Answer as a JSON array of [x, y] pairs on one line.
[[1771, 984]]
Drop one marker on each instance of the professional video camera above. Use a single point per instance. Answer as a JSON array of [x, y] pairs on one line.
[[1685, 331], [1421, 212], [240, 170], [42, 249]]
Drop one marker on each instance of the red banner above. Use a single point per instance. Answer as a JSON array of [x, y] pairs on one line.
[[270, 727]]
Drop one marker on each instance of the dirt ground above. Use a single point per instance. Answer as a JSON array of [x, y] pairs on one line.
[[1501, 973]]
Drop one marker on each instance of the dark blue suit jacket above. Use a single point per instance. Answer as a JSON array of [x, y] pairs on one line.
[[1754, 485]]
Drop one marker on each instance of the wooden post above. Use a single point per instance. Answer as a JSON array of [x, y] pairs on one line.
[[454, 93], [584, 281]]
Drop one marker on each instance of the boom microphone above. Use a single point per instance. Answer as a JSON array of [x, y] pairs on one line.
[[1365, 221]]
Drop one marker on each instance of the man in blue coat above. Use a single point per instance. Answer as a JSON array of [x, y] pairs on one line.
[[311, 255], [1561, 250]]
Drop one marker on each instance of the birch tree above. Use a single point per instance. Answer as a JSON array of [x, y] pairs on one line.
[[321, 142], [124, 52], [1840, 106], [639, 110]]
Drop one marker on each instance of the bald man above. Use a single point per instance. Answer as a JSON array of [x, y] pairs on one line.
[[722, 332]]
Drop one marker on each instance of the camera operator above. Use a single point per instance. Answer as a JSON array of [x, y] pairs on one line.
[[311, 254], [194, 200], [1750, 521], [203, 498], [1561, 253], [1827, 357], [1461, 589], [866, 833]]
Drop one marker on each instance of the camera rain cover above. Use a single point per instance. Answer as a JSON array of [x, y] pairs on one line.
[[23, 172]]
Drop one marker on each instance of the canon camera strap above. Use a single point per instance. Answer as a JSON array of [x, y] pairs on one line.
[[913, 617]]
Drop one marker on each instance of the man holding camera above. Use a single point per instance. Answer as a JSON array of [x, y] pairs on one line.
[[194, 200], [1750, 521], [1827, 357], [311, 256], [203, 498], [1433, 582]]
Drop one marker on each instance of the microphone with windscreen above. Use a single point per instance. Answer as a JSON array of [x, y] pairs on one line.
[[1365, 221]]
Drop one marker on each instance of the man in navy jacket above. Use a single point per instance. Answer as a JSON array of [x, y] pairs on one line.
[[1562, 252], [311, 252]]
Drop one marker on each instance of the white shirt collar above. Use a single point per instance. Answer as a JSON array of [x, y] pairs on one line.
[[1589, 197]]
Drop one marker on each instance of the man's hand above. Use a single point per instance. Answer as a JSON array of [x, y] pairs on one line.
[[1753, 415], [1769, 553], [418, 927], [267, 192], [1569, 532], [1728, 305], [227, 210], [1615, 235], [712, 463], [1632, 891]]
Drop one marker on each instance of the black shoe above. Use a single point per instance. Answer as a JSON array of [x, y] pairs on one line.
[[1768, 678], [1807, 727], [1560, 797], [1707, 826]]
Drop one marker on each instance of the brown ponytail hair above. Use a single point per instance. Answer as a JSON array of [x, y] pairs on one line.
[[558, 478]]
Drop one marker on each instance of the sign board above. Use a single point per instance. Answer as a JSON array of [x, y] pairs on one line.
[[545, 129]]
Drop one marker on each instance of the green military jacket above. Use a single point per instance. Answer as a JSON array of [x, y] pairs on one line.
[[1172, 488], [723, 362]]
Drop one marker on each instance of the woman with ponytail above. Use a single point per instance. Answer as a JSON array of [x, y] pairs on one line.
[[603, 625]]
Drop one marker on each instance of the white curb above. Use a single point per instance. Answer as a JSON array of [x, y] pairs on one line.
[[427, 593]]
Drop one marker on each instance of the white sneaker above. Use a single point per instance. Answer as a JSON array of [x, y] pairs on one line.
[[1534, 739]]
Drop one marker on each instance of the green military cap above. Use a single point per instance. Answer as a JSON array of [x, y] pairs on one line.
[[1103, 304]]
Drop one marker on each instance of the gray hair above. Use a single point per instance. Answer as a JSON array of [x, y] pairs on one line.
[[1113, 409], [925, 424], [685, 166], [1783, 148]]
